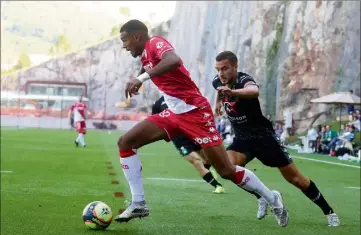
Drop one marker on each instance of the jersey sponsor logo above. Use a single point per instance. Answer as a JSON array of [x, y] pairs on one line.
[[212, 129], [125, 166], [159, 45], [243, 183], [232, 112], [207, 139], [230, 108], [164, 114], [204, 140], [240, 119]]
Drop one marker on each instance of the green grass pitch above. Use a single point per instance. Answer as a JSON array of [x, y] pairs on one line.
[[46, 182]]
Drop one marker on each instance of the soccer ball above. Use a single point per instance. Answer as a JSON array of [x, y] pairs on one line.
[[97, 215]]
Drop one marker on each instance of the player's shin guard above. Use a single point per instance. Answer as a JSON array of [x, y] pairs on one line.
[[316, 196], [247, 180], [132, 168]]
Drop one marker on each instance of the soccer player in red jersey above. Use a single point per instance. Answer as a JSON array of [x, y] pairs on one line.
[[77, 111], [188, 113]]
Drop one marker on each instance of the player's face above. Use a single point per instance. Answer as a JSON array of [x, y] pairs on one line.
[[131, 42], [227, 71]]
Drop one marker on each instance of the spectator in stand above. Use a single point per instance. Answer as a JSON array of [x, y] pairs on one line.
[[329, 135], [347, 136], [327, 138], [357, 115], [343, 129], [320, 131]]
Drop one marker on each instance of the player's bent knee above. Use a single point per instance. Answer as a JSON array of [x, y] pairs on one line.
[[123, 143]]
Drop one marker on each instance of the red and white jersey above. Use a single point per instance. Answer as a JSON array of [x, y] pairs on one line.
[[79, 110], [180, 93]]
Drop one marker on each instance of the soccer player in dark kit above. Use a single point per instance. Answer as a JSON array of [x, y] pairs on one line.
[[254, 134]]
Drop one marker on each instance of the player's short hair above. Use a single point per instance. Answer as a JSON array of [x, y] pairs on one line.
[[227, 55], [134, 26]]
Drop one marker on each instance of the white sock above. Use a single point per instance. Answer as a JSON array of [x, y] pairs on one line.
[[252, 183], [132, 170], [81, 139], [78, 138]]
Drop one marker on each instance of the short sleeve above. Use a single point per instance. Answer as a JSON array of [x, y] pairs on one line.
[[158, 46], [243, 79], [72, 107]]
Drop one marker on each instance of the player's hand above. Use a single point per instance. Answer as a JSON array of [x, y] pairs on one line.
[[225, 90], [132, 87], [218, 109]]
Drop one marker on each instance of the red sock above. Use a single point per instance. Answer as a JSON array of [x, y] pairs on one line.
[[126, 153]]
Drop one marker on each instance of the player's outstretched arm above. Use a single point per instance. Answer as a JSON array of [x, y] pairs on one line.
[[169, 61], [249, 91]]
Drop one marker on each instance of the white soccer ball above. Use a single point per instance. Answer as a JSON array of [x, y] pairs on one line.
[[97, 215]]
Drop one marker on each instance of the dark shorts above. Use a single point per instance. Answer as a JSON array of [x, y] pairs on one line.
[[267, 149], [184, 145]]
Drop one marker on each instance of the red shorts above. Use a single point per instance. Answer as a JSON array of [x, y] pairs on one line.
[[198, 124], [80, 127]]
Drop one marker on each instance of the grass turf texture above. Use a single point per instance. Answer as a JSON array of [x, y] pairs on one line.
[[52, 181]]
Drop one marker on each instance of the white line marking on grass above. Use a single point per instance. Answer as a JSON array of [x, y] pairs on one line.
[[353, 187], [174, 179], [333, 163], [6, 171]]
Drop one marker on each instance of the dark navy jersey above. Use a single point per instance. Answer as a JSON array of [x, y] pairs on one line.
[[244, 114], [159, 106]]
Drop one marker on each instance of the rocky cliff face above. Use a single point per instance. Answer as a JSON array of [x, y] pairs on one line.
[[295, 50]]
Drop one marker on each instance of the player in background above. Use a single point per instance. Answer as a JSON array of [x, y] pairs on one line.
[[188, 113], [78, 112], [255, 137], [191, 152]]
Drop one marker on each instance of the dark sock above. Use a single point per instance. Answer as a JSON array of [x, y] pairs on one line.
[[211, 180], [207, 166], [257, 195], [316, 196]]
